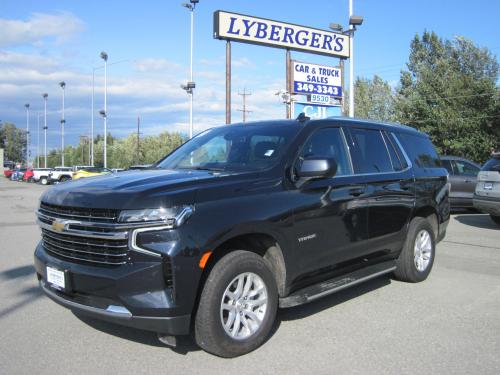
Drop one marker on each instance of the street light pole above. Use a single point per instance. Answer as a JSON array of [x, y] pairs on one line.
[[351, 64], [27, 106], [104, 56], [63, 122], [92, 122], [191, 85], [38, 139], [45, 96]]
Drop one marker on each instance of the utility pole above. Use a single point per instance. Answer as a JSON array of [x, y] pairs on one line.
[[244, 110]]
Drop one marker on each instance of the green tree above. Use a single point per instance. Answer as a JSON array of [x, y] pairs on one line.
[[374, 99], [13, 140], [449, 91]]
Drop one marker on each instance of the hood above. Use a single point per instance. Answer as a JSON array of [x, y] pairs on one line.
[[136, 189]]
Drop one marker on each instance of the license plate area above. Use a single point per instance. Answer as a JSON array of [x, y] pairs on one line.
[[488, 186], [56, 278]]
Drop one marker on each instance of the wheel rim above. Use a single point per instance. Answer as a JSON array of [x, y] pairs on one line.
[[243, 305], [423, 250]]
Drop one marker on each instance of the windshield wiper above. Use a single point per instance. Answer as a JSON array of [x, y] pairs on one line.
[[200, 168]]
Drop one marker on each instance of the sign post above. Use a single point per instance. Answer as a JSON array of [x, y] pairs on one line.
[[261, 31]]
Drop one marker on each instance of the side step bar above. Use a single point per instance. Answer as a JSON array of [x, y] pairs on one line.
[[337, 284]]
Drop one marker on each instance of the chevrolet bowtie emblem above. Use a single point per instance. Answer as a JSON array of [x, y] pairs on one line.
[[58, 225]]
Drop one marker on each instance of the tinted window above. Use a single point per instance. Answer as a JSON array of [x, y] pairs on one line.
[[491, 165], [420, 150], [447, 165], [369, 152], [397, 165], [328, 143], [465, 169]]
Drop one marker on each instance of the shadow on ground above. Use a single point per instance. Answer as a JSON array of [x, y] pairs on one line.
[[477, 220], [186, 344], [17, 272]]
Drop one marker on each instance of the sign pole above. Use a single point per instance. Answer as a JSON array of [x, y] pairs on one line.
[[342, 85], [228, 82], [288, 85]]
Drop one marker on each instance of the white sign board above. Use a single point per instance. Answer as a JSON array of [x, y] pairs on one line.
[[248, 29], [316, 79]]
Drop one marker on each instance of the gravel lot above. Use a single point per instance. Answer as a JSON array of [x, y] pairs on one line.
[[448, 324]]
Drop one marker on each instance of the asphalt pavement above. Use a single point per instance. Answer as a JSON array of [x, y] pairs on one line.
[[448, 324]]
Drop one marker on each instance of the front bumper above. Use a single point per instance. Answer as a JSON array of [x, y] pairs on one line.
[[487, 205], [133, 295]]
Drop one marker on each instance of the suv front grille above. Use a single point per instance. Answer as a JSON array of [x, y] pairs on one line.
[[98, 215], [92, 250]]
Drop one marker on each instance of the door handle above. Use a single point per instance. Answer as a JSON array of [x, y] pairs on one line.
[[356, 192]]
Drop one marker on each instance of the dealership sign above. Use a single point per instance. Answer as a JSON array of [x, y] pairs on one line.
[[316, 79], [248, 29], [316, 111]]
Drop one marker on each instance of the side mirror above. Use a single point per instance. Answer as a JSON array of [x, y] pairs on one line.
[[317, 168]]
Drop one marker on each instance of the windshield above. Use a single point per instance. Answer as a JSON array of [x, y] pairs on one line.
[[232, 148]]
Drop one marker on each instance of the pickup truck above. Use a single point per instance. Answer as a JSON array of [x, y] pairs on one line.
[[41, 175], [60, 174]]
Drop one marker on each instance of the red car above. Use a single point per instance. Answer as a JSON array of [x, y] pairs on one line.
[[8, 172], [28, 175]]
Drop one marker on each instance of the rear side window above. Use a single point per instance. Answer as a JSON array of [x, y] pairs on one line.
[[491, 165], [462, 168], [369, 152], [420, 150]]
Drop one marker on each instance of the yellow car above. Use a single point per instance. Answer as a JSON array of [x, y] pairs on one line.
[[90, 172]]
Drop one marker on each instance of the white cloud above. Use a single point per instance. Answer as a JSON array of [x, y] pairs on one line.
[[156, 65], [39, 26]]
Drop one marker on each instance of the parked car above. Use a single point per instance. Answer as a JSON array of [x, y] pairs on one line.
[[18, 174], [60, 174], [8, 173], [90, 172], [28, 175], [463, 174], [241, 220], [487, 194], [79, 167], [41, 175]]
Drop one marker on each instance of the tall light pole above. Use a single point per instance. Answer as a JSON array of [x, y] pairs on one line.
[[63, 122], [38, 139], [45, 96], [353, 22], [189, 88], [27, 106], [91, 149], [104, 56]]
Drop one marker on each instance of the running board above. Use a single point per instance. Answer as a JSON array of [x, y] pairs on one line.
[[337, 284]]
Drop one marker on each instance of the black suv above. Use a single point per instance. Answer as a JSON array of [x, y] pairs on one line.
[[241, 220]]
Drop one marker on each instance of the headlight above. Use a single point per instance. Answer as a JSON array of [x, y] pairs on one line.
[[175, 216]]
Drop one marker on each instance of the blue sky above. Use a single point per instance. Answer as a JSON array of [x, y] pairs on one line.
[[44, 42]]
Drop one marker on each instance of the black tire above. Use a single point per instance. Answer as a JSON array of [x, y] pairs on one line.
[[496, 219], [209, 332], [406, 263], [64, 179], [44, 180]]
